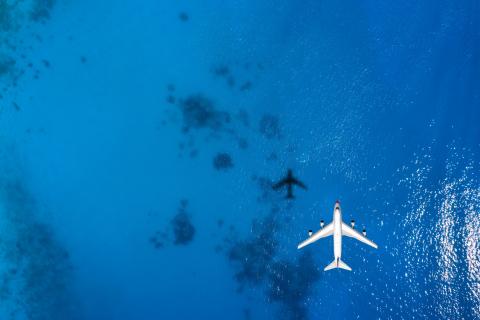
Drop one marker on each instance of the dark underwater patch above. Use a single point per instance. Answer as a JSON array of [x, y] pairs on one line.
[[183, 229], [200, 118], [200, 112], [252, 256], [6, 65], [183, 16], [247, 85], [272, 157], [36, 282], [41, 9], [291, 283], [7, 12], [257, 263], [221, 71], [222, 161], [171, 99], [16, 17], [233, 74], [266, 193], [180, 230], [159, 239], [243, 117], [242, 143], [269, 126]]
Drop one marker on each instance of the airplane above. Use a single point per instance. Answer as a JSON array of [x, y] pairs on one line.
[[289, 181], [337, 228]]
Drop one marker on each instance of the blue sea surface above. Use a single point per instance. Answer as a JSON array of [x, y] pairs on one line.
[[140, 140]]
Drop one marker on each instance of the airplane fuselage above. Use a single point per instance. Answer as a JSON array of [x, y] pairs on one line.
[[289, 190], [337, 232]]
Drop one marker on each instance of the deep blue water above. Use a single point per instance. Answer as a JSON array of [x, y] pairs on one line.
[[139, 142]]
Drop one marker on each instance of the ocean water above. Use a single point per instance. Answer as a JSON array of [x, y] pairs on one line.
[[139, 141]]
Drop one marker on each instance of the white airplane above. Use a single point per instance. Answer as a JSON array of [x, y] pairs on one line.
[[337, 228]]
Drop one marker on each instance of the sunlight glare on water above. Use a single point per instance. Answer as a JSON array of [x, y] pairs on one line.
[[442, 232]]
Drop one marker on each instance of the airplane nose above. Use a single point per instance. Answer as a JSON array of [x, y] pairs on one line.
[[337, 205]]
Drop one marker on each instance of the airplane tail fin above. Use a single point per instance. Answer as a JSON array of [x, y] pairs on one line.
[[337, 263]]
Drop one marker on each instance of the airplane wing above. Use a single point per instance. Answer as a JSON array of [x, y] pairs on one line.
[[350, 232], [279, 184], [322, 233], [299, 183]]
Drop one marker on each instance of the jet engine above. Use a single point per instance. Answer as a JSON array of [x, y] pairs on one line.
[[352, 223], [310, 232], [322, 223], [364, 232]]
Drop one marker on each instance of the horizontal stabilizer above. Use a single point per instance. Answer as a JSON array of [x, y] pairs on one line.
[[337, 263], [343, 265], [331, 266]]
